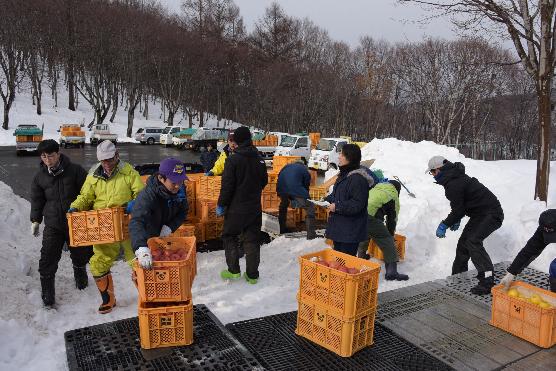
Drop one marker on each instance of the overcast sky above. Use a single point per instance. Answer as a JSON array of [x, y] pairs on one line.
[[348, 20]]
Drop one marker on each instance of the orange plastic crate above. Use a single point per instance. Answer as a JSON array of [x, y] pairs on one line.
[[37, 138], [375, 251], [523, 318], [317, 192], [168, 280], [206, 210], [213, 229], [96, 227], [343, 336], [163, 325], [272, 177], [278, 162], [209, 187], [344, 294], [191, 191], [184, 230], [270, 200]]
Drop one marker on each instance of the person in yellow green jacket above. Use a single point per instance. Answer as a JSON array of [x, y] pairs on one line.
[[218, 167], [384, 202], [111, 183]]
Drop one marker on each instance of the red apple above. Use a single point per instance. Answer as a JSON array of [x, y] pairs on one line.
[[322, 262]]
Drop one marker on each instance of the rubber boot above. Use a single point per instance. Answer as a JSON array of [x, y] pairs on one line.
[[227, 275], [106, 288], [310, 224], [552, 281], [282, 220], [392, 273], [484, 285], [80, 276], [48, 292]]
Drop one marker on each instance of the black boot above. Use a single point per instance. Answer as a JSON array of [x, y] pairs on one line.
[[48, 291], [310, 226], [80, 276], [392, 273], [484, 285], [552, 281]]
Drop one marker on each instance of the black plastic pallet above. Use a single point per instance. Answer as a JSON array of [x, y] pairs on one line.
[[115, 346], [272, 340]]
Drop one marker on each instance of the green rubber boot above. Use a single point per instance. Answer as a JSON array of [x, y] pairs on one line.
[[227, 275], [252, 281]]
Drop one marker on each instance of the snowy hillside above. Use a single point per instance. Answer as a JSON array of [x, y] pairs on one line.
[[32, 337], [23, 112]]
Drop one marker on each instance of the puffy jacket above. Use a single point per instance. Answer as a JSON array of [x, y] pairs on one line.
[[384, 201], [243, 181], [218, 167], [208, 159], [153, 208], [294, 180], [52, 194], [99, 192], [348, 223], [467, 195]]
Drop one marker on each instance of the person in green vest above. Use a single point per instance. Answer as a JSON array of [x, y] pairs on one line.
[[384, 203]]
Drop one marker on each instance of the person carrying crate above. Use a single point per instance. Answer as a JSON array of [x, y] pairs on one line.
[[293, 188], [544, 235], [54, 187], [111, 183], [159, 209]]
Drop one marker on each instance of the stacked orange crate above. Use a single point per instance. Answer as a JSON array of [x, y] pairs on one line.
[[278, 162], [208, 191]]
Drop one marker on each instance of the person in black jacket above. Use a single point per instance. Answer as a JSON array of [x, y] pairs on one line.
[[243, 181], [160, 208], [293, 188], [347, 223], [469, 197], [544, 235], [208, 158], [54, 187]]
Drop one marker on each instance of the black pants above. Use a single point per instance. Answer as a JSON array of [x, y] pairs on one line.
[[249, 227], [378, 232], [470, 244], [51, 252], [299, 202]]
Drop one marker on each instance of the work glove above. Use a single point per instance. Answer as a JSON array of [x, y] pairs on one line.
[[441, 230], [209, 173], [165, 231], [72, 210], [129, 207], [507, 280], [220, 210], [35, 229], [455, 226], [144, 257]]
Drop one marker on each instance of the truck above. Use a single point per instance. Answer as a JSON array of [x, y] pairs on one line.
[[167, 136], [180, 138], [327, 153], [268, 145], [27, 138], [71, 135], [100, 133], [294, 145], [202, 138]]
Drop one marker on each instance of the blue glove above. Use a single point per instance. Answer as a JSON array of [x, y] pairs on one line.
[[72, 210], [209, 173], [455, 226], [129, 206], [220, 210], [441, 230]]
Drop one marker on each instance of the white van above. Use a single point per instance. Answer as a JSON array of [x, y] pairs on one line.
[[327, 153], [294, 145]]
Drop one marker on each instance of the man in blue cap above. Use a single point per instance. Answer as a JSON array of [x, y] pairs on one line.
[[159, 209]]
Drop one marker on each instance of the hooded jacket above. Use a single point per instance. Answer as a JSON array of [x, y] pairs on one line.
[[467, 195], [384, 201], [100, 192], [52, 194], [243, 180], [348, 223], [218, 167], [153, 208]]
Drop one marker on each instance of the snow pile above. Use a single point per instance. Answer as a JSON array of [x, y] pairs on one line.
[[33, 336], [24, 112]]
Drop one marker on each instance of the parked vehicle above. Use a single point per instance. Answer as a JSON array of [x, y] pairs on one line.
[[148, 135], [327, 153], [202, 138], [71, 135], [27, 138], [268, 146], [100, 133], [180, 138], [294, 145], [167, 136]]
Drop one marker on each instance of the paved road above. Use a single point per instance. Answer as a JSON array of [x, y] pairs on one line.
[[18, 171]]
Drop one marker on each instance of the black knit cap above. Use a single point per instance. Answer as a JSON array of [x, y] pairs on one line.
[[242, 135], [352, 153]]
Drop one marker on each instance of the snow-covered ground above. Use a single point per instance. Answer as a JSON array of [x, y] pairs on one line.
[[23, 112], [32, 337]]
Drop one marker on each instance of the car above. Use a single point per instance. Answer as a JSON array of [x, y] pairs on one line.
[[148, 135]]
